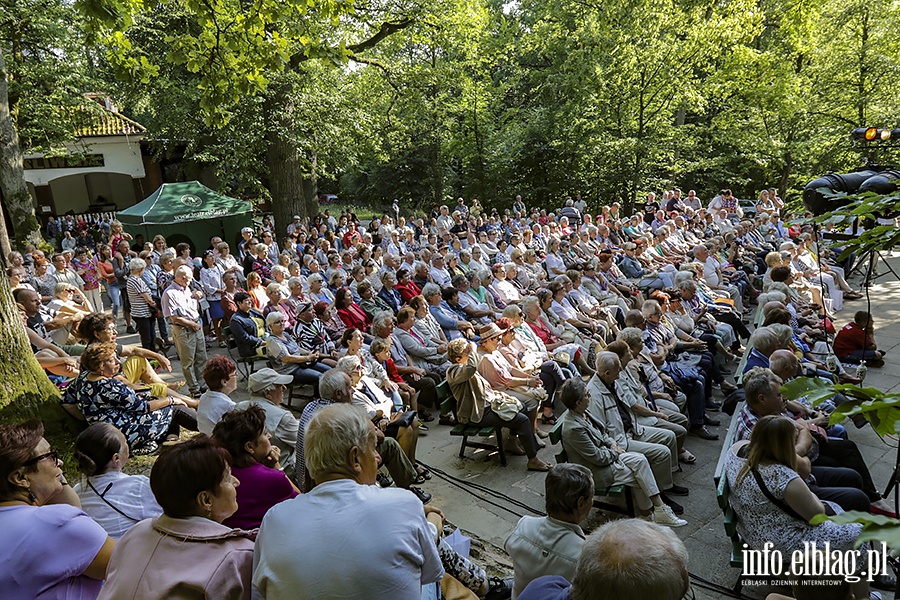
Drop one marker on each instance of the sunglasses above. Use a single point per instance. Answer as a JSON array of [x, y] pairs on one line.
[[52, 454]]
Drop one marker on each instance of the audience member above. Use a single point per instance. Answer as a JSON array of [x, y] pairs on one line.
[[394, 551], [113, 499], [254, 463], [622, 559], [186, 552]]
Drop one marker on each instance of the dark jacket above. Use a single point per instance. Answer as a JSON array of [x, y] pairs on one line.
[[392, 298], [245, 332]]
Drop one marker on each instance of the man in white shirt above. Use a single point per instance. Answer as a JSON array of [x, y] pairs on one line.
[[346, 538], [438, 273], [445, 221]]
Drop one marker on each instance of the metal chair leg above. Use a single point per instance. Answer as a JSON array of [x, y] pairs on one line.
[[500, 448]]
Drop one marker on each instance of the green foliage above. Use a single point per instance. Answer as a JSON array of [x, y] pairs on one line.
[[487, 99], [867, 207], [876, 528], [47, 71], [881, 409], [232, 46]]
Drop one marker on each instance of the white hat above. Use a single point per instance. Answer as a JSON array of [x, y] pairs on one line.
[[265, 378]]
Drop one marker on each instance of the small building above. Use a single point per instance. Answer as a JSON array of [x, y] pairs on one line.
[[106, 169]]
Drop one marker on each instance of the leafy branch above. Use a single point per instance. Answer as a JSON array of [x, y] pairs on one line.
[[867, 207], [879, 408]]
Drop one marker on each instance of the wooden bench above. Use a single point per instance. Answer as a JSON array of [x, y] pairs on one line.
[[723, 492], [467, 431], [615, 491]]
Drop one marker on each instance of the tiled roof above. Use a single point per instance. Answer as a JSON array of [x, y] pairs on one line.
[[100, 118]]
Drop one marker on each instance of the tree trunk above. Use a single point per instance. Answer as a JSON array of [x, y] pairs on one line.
[[15, 194], [292, 176], [25, 390], [5, 246]]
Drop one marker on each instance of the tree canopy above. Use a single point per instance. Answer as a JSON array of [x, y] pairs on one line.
[[422, 100]]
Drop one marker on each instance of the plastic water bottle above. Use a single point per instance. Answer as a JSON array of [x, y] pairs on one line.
[[861, 371], [831, 363]]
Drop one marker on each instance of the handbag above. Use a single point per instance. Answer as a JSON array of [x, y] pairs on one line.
[[155, 311], [403, 420], [505, 406]]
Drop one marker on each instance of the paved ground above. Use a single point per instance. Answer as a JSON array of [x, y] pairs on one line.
[[704, 535]]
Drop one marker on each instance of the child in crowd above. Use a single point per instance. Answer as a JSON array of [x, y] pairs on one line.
[[856, 341]]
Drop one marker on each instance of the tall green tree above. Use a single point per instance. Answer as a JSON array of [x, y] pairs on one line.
[[238, 51], [42, 75]]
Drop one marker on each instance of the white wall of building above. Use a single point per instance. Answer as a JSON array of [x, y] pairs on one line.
[[121, 154]]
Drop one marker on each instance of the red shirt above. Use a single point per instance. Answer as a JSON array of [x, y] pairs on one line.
[[229, 307], [354, 317], [543, 332], [351, 238], [392, 371], [851, 337], [408, 291]]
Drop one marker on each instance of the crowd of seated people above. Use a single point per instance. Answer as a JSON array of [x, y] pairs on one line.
[[622, 328]]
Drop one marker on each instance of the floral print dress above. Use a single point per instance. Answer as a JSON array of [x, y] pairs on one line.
[[111, 401]]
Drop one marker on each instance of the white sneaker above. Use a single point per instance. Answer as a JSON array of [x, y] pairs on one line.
[[663, 515], [648, 518]]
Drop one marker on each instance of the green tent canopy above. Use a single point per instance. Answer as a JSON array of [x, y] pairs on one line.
[[188, 212]]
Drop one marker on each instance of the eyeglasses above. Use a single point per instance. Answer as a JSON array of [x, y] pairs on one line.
[[52, 454]]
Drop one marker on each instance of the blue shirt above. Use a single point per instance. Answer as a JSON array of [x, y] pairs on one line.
[[756, 359], [447, 319], [548, 587]]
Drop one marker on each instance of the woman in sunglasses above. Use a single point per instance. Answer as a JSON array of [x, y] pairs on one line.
[[59, 552]]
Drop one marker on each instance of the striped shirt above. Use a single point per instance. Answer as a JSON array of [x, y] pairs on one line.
[[139, 307], [312, 336]]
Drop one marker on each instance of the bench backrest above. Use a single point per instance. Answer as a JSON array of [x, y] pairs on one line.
[[728, 443], [556, 438], [739, 378]]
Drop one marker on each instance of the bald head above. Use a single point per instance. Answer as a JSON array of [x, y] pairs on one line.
[[784, 363], [631, 558]]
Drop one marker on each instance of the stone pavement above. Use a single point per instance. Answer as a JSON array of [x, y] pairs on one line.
[[704, 534]]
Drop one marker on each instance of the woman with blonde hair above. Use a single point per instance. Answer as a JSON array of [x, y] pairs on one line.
[[256, 290], [771, 497], [117, 234]]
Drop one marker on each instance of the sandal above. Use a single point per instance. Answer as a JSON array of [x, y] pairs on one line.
[[423, 474], [551, 420], [686, 457], [447, 420], [425, 416]]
